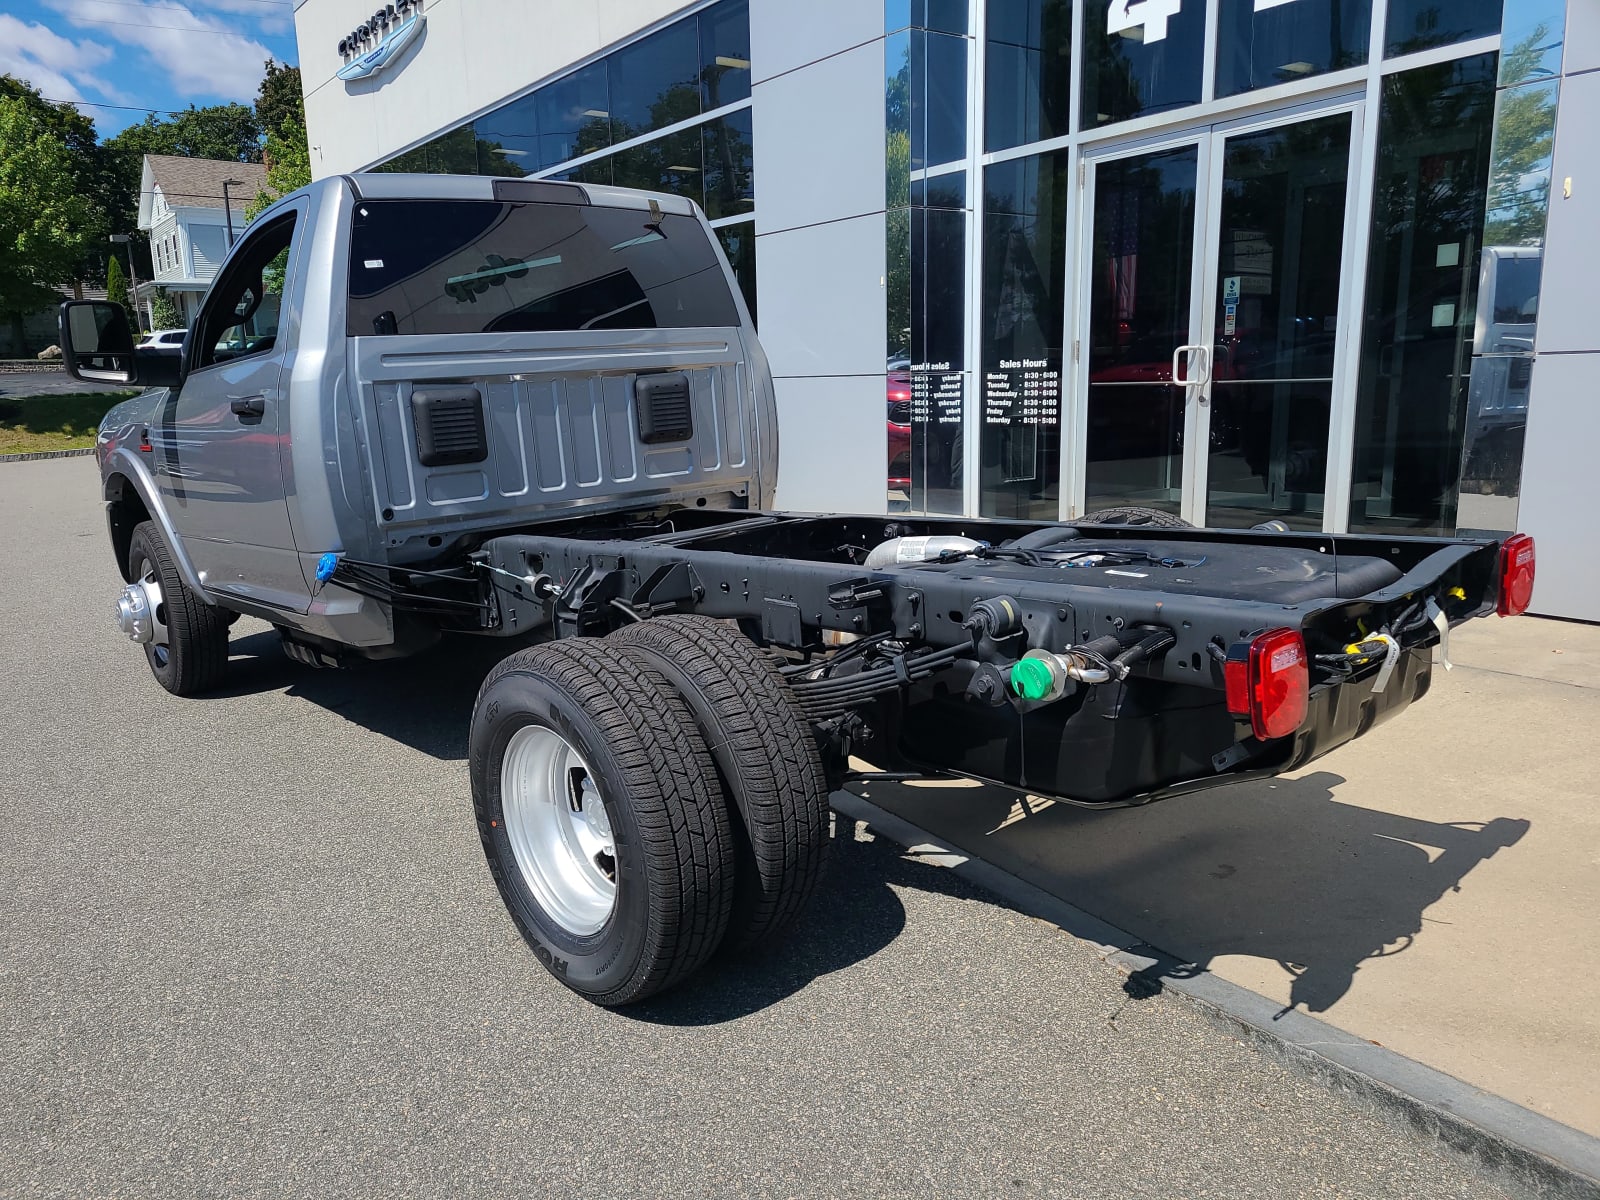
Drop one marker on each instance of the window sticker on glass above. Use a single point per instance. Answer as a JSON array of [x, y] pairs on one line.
[[1141, 22], [373, 264], [494, 274]]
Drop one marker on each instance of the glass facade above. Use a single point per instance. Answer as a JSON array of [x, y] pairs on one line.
[[668, 112], [1169, 300], [927, 215]]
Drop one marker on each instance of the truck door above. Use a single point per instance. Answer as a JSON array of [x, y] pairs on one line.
[[216, 450]]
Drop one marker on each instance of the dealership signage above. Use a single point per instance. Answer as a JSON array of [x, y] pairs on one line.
[[375, 43]]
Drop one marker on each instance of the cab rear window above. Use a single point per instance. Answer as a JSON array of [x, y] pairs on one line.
[[486, 266]]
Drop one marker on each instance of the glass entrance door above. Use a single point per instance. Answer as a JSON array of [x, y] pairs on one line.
[[1212, 314]]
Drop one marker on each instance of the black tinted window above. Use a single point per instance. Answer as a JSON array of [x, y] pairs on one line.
[[482, 266]]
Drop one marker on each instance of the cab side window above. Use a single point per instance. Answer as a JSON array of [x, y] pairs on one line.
[[241, 315]]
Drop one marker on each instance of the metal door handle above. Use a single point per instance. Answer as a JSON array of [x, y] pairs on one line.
[[249, 406], [1203, 367]]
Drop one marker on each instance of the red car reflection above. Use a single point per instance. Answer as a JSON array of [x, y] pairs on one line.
[[899, 398]]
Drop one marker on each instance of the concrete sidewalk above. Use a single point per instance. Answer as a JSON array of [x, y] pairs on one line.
[[1431, 887]]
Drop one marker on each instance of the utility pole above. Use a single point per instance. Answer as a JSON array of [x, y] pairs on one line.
[[133, 274], [227, 205]]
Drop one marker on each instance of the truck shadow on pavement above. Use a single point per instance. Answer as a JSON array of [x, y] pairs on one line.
[[1279, 870]]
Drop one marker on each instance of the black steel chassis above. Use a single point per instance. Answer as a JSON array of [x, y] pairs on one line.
[[788, 579]]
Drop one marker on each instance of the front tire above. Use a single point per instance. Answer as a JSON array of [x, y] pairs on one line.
[[188, 649], [600, 818]]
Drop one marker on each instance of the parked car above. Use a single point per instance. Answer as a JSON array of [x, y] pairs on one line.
[[163, 338]]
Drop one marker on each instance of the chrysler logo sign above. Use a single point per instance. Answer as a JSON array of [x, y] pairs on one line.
[[371, 46]]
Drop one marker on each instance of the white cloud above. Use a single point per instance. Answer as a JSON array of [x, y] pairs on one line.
[[202, 57], [269, 16], [61, 68]]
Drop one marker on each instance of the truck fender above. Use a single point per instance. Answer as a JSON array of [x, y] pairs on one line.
[[121, 470]]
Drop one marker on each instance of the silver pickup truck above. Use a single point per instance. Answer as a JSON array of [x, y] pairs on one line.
[[420, 407]]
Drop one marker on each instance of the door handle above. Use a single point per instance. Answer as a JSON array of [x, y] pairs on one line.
[[1202, 367], [249, 406]]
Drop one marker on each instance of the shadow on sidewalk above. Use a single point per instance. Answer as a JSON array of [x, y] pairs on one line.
[[1276, 869]]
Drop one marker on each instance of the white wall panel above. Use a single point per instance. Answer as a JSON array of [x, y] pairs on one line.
[[833, 444], [1563, 431], [819, 137], [785, 35], [821, 297]]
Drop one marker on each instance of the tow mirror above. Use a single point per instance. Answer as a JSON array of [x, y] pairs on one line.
[[96, 342], [97, 346]]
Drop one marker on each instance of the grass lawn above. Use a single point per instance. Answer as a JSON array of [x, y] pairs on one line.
[[30, 424]]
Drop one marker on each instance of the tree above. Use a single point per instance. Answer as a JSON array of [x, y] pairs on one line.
[[46, 224], [279, 99], [93, 176], [163, 312], [117, 285]]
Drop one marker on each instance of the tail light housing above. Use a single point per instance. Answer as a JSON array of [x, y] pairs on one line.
[[1268, 679], [1516, 575]]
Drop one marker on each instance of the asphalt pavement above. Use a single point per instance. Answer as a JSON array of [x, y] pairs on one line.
[[250, 947], [49, 383]]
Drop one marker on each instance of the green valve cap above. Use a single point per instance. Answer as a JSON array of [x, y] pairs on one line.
[[1031, 679]]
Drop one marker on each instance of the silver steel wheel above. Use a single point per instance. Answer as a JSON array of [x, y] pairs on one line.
[[559, 829], [159, 641]]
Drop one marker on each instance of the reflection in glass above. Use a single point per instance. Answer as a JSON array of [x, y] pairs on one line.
[[1531, 41], [936, 380], [1149, 66], [1028, 76], [655, 82], [1433, 168], [1508, 299], [574, 115], [938, 94], [1419, 24], [940, 191], [730, 178], [1018, 378], [1282, 223], [725, 54], [1139, 302], [508, 139], [664, 164], [739, 244], [1258, 47]]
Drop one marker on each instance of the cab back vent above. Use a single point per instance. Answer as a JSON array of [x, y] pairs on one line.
[[449, 425], [666, 412]]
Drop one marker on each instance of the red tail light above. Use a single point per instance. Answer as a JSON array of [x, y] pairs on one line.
[[1516, 575], [1268, 681]]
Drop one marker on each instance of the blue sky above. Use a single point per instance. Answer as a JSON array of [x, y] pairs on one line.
[[160, 54]]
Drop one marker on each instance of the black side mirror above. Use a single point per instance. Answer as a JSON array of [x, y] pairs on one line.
[[96, 342], [97, 345]]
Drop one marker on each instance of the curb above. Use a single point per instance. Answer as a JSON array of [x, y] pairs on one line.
[[1524, 1151], [42, 454]]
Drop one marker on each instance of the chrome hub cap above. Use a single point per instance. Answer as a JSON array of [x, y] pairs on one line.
[[140, 612], [559, 829]]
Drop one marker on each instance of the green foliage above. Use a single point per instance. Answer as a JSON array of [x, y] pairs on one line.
[[164, 313], [288, 160], [279, 100], [46, 224], [1524, 145], [117, 286], [93, 175]]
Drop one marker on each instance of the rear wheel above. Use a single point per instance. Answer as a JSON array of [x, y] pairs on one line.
[[599, 814], [1130, 514], [185, 639], [766, 758]]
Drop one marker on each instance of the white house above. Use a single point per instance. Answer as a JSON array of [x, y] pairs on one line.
[[182, 208]]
